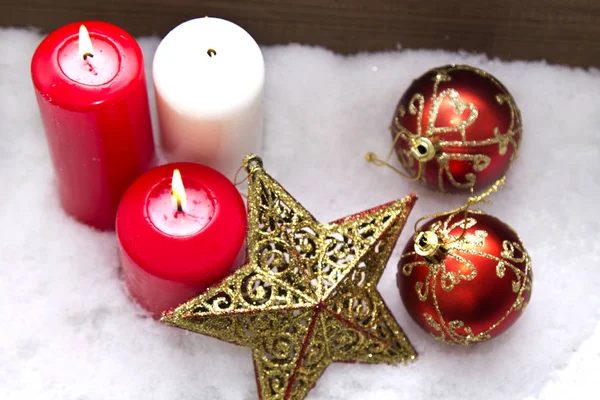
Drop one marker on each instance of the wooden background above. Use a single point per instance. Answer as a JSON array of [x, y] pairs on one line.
[[560, 31]]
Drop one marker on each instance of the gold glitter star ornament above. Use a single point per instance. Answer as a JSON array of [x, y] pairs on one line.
[[308, 295]]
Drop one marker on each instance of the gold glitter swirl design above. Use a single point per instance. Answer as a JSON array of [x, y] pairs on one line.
[[435, 133], [512, 254], [308, 294]]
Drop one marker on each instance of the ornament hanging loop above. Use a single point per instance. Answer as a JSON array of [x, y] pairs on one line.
[[374, 159], [237, 182], [251, 163], [426, 247]]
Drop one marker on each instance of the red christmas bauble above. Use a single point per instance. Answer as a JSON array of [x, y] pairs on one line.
[[465, 285], [458, 128]]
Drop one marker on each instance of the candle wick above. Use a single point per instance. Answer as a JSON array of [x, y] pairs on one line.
[[211, 52], [89, 64], [179, 207]]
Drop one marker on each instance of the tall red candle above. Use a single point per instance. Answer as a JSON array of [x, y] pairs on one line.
[[177, 238], [94, 106]]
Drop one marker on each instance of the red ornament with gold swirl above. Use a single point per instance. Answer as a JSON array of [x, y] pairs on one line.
[[457, 128], [465, 277]]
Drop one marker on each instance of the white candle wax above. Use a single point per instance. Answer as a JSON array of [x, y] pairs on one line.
[[209, 79]]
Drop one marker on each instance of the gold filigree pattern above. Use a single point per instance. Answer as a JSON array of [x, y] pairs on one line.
[[308, 294], [478, 155], [512, 257]]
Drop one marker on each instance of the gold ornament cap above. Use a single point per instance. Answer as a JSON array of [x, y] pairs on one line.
[[429, 246], [423, 149], [426, 243]]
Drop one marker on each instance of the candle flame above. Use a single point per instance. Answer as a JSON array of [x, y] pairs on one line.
[[178, 191], [85, 43]]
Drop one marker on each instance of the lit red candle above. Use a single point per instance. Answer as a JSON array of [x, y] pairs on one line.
[[92, 96], [181, 227]]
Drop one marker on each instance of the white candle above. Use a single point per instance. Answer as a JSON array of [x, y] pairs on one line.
[[209, 79]]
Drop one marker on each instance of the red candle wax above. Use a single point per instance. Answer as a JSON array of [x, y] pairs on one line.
[[169, 255], [96, 116]]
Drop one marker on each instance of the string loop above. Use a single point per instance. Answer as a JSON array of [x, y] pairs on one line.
[[238, 183], [375, 160], [472, 200]]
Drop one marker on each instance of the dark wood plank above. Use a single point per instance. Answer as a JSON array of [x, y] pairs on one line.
[[560, 31]]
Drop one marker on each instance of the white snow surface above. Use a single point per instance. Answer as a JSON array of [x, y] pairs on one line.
[[68, 329]]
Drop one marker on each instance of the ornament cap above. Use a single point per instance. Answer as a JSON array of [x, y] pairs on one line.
[[423, 149], [427, 245]]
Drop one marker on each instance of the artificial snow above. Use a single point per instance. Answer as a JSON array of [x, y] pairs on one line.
[[69, 331]]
